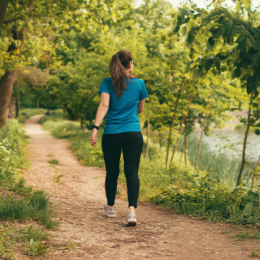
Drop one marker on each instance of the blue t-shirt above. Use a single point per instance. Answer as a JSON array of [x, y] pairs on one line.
[[122, 112]]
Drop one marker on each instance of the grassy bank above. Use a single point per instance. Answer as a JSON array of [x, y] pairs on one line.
[[18, 201], [202, 195], [26, 113]]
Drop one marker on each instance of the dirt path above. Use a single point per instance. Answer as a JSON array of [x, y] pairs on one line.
[[86, 233]]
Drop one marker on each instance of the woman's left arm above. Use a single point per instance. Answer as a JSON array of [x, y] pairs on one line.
[[101, 112]]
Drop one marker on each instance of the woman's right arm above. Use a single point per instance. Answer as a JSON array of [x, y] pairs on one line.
[[140, 106]]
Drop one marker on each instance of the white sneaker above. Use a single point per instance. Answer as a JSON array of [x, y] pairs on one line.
[[111, 212], [131, 218]]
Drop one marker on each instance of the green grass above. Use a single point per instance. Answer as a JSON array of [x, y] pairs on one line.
[[35, 206], [58, 178], [26, 113], [255, 252], [27, 239], [245, 235], [56, 115], [54, 161], [18, 201]]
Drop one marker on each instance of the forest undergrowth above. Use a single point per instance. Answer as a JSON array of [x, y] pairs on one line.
[[20, 203], [201, 195]]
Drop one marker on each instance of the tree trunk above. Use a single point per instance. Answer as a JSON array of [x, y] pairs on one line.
[[245, 141], [173, 121], [17, 106], [148, 135], [3, 6], [6, 88], [202, 131], [38, 103], [7, 80], [71, 115], [183, 146], [186, 147], [180, 131]]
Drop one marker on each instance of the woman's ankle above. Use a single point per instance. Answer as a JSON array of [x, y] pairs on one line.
[[131, 208], [111, 207]]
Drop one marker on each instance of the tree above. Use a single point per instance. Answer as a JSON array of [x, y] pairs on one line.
[[38, 15]]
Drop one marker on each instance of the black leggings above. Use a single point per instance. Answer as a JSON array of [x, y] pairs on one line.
[[131, 143]]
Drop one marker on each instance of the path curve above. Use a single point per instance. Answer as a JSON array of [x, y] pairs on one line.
[[80, 196]]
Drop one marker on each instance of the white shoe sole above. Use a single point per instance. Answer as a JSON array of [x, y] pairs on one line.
[[131, 222], [110, 216]]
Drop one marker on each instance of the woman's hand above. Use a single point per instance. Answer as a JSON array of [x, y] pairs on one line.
[[93, 138]]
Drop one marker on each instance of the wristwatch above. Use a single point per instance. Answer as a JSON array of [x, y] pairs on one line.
[[94, 126]]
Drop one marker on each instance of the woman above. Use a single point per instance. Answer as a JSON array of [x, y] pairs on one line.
[[122, 98]]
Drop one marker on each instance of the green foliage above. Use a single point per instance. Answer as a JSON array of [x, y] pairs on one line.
[[213, 201], [245, 235], [32, 204], [26, 113], [63, 129], [58, 177], [56, 115], [12, 141], [35, 248], [54, 161], [38, 234], [255, 252], [36, 205]]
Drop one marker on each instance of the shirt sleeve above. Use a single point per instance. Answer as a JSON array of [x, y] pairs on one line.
[[104, 87], [143, 91]]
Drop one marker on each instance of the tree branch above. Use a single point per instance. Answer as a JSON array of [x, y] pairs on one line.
[[3, 6]]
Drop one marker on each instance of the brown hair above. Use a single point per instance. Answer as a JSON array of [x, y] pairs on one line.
[[117, 68]]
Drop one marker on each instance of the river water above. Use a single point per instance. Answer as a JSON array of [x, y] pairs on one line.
[[231, 143]]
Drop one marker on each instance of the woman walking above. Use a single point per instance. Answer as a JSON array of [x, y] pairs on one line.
[[122, 98]]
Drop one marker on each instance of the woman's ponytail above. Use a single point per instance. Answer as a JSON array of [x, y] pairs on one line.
[[117, 67]]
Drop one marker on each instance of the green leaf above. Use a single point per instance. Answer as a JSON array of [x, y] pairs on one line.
[[231, 39], [180, 20], [196, 46], [240, 38], [220, 198], [237, 72], [254, 57], [247, 209], [246, 3], [185, 12], [249, 43], [207, 81], [186, 68], [208, 65], [190, 38], [238, 7], [196, 73], [184, 30], [254, 106], [177, 28], [209, 46], [211, 41]]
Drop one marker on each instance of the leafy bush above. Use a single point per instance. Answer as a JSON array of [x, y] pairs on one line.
[[213, 201], [12, 141], [63, 129], [26, 113], [56, 115]]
